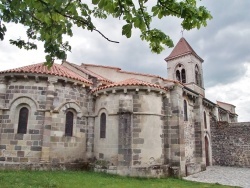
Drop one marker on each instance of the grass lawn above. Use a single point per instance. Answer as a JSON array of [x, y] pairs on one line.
[[71, 179]]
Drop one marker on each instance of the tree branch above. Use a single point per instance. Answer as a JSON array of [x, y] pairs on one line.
[[104, 36], [143, 14], [79, 20], [162, 4]]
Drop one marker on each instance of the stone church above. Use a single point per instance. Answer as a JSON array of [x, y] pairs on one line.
[[124, 122]]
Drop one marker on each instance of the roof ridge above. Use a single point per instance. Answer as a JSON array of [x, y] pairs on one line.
[[138, 73], [90, 72], [104, 66], [123, 71]]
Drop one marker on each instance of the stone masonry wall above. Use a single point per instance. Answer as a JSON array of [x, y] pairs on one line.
[[147, 130], [134, 130], [69, 148], [22, 147], [47, 99], [230, 143]]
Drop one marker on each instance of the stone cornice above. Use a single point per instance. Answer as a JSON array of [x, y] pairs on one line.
[[127, 89]]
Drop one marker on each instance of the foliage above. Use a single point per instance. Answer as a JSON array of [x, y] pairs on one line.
[[64, 179], [49, 21]]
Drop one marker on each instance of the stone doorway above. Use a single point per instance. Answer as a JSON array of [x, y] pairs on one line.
[[207, 151]]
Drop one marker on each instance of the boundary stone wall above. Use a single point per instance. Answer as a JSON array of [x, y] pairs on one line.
[[230, 143]]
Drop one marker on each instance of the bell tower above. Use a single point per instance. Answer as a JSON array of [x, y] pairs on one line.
[[185, 66]]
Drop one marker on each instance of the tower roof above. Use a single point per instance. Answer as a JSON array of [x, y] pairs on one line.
[[182, 48]]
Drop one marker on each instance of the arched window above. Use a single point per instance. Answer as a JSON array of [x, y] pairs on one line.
[[185, 111], [180, 73], [205, 120], [183, 76], [197, 76], [69, 123], [23, 120], [103, 126]]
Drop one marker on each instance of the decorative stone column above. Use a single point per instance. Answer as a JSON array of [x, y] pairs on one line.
[[165, 130], [90, 127], [48, 119], [3, 88], [216, 112], [198, 131], [90, 137], [176, 132], [125, 139]]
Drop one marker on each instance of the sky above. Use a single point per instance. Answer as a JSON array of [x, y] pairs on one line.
[[224, 45]]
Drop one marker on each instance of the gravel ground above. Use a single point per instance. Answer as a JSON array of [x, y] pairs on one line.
[[223, 175]]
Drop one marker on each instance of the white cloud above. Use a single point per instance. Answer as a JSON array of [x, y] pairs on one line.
[[236, 93]]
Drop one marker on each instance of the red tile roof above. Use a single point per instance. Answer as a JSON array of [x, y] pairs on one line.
[[129, 82], [56, 70], [182, 48], [89, 72], [119, 70], [218, 102]]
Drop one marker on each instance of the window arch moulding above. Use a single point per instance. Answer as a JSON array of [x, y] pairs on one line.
[[15, 107]]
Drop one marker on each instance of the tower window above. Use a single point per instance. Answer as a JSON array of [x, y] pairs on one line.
[[183, 76], [69, 123], [180, 73], [103, 126], [185, 111], [197, 76], [23, 120]]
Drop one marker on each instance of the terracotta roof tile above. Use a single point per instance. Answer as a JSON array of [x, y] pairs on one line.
[[182, 48], [56, 70], [219, 102], [122, 71], [129, 82], [89, 72]]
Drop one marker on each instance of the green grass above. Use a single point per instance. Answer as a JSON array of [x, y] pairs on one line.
[[72, 179]]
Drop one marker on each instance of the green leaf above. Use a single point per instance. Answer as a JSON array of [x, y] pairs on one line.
[[127, 30], [95, 2]]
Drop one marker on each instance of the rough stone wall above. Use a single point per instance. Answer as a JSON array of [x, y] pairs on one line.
[[198, 130], [106, 149], [189, 142], [22, 147], [189, 132], [147, 129], [133, 131], [68, 148], [230, 143], [47, 100]]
